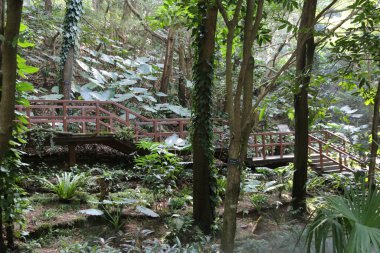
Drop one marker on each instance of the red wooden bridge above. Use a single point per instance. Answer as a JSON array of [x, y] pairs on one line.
[[85, 122]]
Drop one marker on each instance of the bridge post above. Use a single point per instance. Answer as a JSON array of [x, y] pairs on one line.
[[72, 155], [180, 123], [155, 130], [320, 155]]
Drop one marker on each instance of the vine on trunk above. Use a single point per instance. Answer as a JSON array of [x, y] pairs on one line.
[[74, 12]]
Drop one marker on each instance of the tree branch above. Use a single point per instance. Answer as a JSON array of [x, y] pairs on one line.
[[320, 14], [145, 25]]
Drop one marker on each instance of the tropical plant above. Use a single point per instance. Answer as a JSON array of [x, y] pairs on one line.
[[66, 185], [351, 221], [161, 168], [258, 201]]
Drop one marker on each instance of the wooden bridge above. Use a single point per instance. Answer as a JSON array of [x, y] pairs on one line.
[[97, 122]]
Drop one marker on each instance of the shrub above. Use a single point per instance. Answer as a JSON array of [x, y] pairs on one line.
[[161, 169], [66, 186]]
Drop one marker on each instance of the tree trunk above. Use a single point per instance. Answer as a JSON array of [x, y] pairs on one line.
[[168, 65], [203, 207], [48, 6], [96, 4], [375, 138], [9, 67], [67, 74], [3, 248], [240, 125], [304, 63], [182, 90], [10, 234], [229, 71]]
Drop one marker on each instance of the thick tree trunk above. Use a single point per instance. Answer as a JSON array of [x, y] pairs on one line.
[[168, 65], [203, 208], [375, 138], [67, 74], [10, 234], [9, 67], [304, 63], [48, 6]]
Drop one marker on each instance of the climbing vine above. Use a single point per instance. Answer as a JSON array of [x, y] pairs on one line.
[[202, 93], [74, 11]]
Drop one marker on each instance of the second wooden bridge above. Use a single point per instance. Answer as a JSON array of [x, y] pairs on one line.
[[87, 122]]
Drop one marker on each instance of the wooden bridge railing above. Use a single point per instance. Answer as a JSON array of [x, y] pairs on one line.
[[86, 117], [77, 116]]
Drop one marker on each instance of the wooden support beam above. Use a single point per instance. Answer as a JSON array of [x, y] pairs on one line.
[[72, 155]]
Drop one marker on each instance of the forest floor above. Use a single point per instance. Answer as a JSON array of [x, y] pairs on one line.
[[264, 222]]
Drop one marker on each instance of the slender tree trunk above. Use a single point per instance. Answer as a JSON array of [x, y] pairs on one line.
[[182, 90], [304, 63], [67, 74], [229, 71], [9, 67], [96, 4], [203, 208], [375, 138], [48, 6], [168, 65], [240, 125]]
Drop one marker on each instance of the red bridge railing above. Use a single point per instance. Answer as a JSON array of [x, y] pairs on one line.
[[97, 117]]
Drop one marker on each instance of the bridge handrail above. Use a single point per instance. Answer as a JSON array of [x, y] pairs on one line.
[[340, 151]]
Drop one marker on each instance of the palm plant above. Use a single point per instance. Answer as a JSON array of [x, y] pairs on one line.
[[351, 222], [66, 186]]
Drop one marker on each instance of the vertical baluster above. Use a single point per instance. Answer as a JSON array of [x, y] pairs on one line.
[[28, 113], [263, 141], [281, 147], [340, 162], [127, 118], [65, 116], [256, 147], [271, 144], [97, 119], [83, 120], [181, 134], [53, 117], [155, 130]]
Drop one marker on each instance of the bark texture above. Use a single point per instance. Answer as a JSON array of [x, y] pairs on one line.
[[8, 86], [240, 123], [168, 65], [375, 138], [67, 74], [203, 208], [304, 62], [9, 67], [48, 6]]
